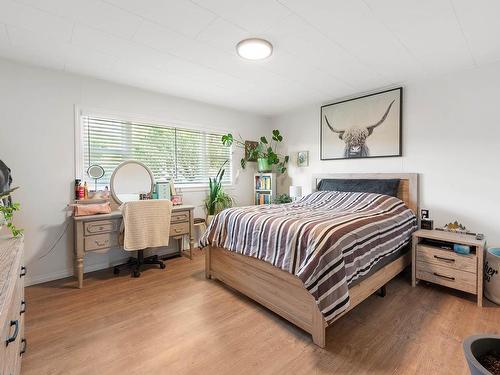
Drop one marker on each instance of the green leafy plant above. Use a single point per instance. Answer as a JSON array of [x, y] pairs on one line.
[[217, 199], [264, 150], [283, 198], [7, 211]]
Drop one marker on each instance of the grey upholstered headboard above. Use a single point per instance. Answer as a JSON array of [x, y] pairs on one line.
[[407, 190]]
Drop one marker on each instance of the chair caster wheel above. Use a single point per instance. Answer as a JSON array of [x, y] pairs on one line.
[[136, 273], [116, 270], [163, 266]]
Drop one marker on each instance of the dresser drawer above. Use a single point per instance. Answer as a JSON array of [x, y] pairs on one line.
[[447, 276], [101, 241], [13, 326], [179, 229], [179, 216], [101, 226], [447, 258]]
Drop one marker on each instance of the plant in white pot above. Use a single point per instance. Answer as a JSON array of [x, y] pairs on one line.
[[217, 199], [266, 152]]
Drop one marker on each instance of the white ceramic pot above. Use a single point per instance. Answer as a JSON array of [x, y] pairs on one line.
[[2, 218], [209, 219], [492, 275]]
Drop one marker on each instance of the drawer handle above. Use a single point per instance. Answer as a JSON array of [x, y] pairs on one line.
[[444, 277], [23, 271], [178, 230], [16, 331], [444, 259], [23, 307], [24, 344], [101, 243]]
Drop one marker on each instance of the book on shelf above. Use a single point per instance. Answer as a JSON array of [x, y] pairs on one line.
[[263, 183], [262, 198]]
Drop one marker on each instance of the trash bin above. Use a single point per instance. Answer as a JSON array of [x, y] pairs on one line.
[[492, 275]]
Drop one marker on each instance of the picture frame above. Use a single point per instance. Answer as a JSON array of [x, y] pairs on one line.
[[367, 126], [249, 146], [303, 158]]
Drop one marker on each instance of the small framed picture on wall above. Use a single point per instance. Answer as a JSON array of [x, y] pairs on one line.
[[303, 158]]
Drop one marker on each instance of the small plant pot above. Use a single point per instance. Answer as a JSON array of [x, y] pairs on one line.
[[209, 219], [475, 347], [263, 165]]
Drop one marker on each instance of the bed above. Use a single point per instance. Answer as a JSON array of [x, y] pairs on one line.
[[305, 275]]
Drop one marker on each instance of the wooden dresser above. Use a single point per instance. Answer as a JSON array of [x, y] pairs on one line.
[[12, 305], [100, 232], [446, 267]]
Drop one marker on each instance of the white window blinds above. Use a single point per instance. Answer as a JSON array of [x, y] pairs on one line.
[[187, 156]]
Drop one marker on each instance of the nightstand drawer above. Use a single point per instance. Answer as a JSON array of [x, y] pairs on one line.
[[447, 258], [447, 276]]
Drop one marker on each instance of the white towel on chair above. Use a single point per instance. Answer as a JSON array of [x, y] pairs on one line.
[[146, 223]]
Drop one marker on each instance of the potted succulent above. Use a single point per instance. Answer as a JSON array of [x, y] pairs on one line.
[[7, 209], [217, 199], [265, 152]]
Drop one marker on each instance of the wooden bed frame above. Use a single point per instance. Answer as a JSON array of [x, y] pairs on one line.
[[285, 293]]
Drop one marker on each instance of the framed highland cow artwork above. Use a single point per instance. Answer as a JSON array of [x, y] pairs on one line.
[[368, 126]]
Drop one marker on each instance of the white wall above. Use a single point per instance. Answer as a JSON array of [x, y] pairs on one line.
[[451, 137], [37, 143]]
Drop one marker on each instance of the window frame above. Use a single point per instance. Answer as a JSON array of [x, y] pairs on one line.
[[140, 119]]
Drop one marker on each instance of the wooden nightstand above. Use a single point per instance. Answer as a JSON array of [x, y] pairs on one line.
[[445, 267]]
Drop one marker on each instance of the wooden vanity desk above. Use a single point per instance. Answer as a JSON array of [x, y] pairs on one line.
[[100, 232]]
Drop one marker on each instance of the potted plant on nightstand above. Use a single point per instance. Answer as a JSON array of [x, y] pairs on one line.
[[217, 199], [266, 152]]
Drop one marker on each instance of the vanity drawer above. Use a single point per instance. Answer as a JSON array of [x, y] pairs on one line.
[[447, 276], [179, 216], [101, 226], [446, 258], [179, 229], [101, 241]]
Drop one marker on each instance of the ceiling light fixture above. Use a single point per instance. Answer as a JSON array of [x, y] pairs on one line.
[[254, 49]]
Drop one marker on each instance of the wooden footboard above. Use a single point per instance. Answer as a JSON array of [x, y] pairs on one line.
[[283, 292]]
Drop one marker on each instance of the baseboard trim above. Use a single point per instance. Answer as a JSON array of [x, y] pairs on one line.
[[90, 268]]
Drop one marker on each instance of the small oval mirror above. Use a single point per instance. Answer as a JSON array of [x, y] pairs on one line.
[[95, 171]]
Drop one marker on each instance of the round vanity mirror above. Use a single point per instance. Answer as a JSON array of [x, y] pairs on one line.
[[129, 180], [95, 171]]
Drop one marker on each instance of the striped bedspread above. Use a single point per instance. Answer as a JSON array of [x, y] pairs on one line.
[[327, 239]]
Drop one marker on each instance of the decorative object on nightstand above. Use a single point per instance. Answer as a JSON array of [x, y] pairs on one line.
[[264, 188], [425, 221], [434, 260], [295, 192]]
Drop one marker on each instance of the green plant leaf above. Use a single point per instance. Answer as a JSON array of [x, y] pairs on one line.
[[287, 158], [227, 139], [263, 140], [243, 163]]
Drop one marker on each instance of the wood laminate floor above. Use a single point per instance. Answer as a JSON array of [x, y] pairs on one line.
[[174, 321]]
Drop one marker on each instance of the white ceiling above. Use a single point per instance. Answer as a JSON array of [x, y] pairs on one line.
[[323, 49]]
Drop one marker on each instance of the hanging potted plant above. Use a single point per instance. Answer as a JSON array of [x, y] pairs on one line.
[[7, 209], [217, 199], [266, 152]]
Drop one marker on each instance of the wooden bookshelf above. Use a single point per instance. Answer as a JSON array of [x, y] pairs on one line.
[[264, 186]]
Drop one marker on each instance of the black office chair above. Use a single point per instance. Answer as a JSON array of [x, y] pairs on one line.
[[137, 263]]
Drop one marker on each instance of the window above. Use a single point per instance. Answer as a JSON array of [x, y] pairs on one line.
[[187, 156]]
